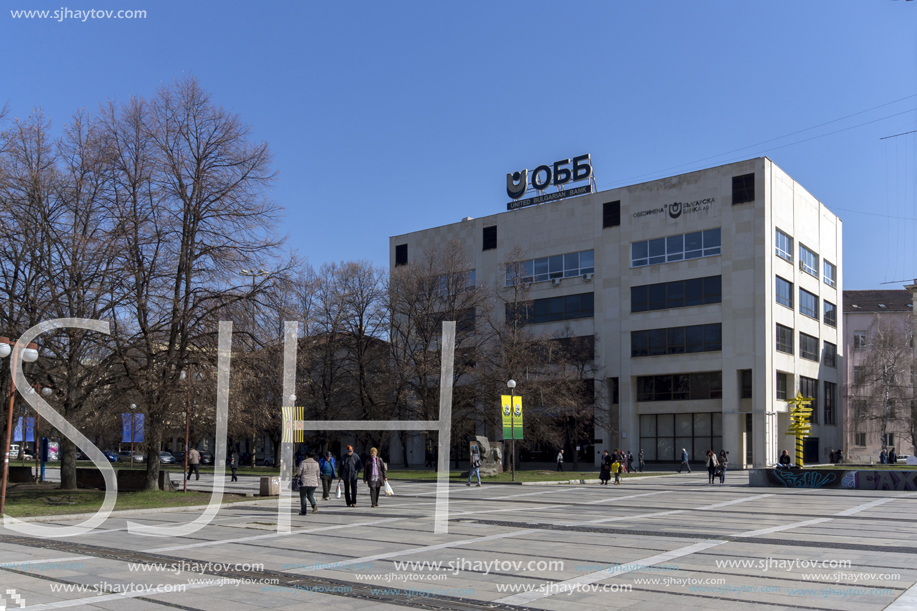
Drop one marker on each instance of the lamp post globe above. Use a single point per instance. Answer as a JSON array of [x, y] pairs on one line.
[[5, 348], [30, 353], [511, 384]]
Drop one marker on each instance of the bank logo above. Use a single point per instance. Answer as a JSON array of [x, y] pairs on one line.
[[675, 210], [17, 600], [517, 183]]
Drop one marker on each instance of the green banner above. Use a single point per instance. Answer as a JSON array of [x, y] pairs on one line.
[[517, 417]]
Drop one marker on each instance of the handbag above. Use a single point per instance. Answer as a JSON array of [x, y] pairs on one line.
[[388, 490], [337, 493], [297, 484]]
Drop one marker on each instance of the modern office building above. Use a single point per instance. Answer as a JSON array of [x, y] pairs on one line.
[[712, 296]]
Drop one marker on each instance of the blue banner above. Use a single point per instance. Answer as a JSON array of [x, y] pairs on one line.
[[30, 429], [17, 432], [138, 427]]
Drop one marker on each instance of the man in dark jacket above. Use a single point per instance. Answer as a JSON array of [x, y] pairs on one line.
[[892, 456], [351, 465]]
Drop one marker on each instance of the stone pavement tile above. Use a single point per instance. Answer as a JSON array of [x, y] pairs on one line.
[[127, 604]]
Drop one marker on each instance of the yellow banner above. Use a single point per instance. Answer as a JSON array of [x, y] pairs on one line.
[[505, 411], [517, 417]]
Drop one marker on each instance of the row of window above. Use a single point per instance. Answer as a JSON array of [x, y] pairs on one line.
[[808, 388], [547, 268], [677, 340], [676, 248], [678, 294], [808, 260], [680, 387], [664, 436], [808, 303], [550, 309], [808, 346]]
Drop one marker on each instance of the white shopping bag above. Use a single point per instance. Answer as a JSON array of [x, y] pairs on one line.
[[388, 490], [337, 494]]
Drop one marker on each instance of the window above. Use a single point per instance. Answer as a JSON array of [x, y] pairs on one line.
[[568, 265], [784, 339], [453, 284], [746, 384], [859, 375], [859, 339], [830, 402], [784, 291], [680, 387], [784, 246], [676, 340], [808, 304], [809, 389], [888, 440], [781, 385], [401, 255], [808, 347], [676, 248], [678, 294], [611, 214], [490, 238], [830, 314], [552, 309], [892, 409], [860, 439], [830, 355], [859, 409], [743, 189], [830, 274], [808, 261], [662, 436]]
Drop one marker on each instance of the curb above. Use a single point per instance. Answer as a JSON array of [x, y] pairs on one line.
[[135, 512]]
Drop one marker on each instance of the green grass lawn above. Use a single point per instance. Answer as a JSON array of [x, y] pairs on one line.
[[47, 499], [521, 476]]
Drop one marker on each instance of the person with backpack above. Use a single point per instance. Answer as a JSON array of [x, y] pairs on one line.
[[328, 470], [475, 466], [711, 464]]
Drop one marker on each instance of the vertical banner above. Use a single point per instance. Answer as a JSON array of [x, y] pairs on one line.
[[138, 428], [17, 432], [125, 428], [517, 417], [30, 429], [506, 407]]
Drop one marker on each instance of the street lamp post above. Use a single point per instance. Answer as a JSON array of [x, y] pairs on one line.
[[29, 355], [255, 274], [187, 426], [133, 407], [512, 424]]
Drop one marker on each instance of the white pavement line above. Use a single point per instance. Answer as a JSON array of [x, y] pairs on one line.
[[91, 600], [532, 508], [272, 535], [865, 506], [430, 548], [571, 585], [18, 564], [512, 496], [767, 531], [727, 503], [905, 602], [621, 498]]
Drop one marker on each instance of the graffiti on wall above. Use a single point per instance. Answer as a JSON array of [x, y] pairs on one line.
[[885, 480], [797, 478]]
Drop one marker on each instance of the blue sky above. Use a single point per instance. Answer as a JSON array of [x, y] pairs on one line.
[[391, 117]]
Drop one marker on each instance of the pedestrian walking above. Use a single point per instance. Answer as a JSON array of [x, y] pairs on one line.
[[349, 473], [630, 462], [840, 456], [892, 457], [605, 469], [711, 464], [883, 457], [832, 457], [194, 461], [616, 469], [724, 460], [475, 466], [640, 463], [684, 461], [560, 461], [328, 470], [233, 465], [374, 476], [308, 482]]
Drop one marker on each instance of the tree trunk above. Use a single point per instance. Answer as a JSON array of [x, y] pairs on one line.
[[67, 464], [154, 439]]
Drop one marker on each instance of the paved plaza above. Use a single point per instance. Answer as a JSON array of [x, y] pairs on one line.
[[654, 543]]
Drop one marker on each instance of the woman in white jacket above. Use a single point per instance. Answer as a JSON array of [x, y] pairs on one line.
[[308, 481]]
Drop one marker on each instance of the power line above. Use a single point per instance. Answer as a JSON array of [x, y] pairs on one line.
[[626, 180], [900, 218], [901, 134]]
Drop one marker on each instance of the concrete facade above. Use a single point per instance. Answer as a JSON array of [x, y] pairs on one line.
[[750, 429]]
